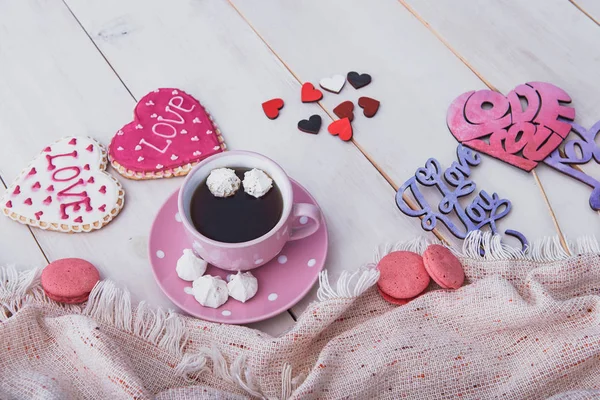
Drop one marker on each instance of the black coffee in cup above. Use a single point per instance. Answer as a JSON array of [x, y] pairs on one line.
[[238, 218]]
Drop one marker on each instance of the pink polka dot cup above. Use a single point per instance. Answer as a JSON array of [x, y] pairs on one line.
[[247, 255]]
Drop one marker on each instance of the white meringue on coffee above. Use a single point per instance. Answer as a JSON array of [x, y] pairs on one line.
[[223, 182], [189, 267], [210, 291], [257, 183], [242, 286]]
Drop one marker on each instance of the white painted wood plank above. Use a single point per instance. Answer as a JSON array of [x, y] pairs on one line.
[[17, 245], [414, 76], [55, 83], [511, 42], [591, 7]]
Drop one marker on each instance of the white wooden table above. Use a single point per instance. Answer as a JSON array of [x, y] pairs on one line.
[[76, 67]]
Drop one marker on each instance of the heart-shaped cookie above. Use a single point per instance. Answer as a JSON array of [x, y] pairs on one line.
[[521, 129], [170, 133], [341, 128], [369, 106], [272, 107], [333, 84], [65, 188], [345, 110], [309, 94]]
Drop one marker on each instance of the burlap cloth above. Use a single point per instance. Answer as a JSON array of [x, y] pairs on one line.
[[525, 326]]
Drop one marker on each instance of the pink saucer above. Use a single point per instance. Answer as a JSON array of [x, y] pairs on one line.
[[282, 283]]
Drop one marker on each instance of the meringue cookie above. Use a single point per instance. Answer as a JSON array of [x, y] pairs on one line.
[[242, 286], [189, 267], [257, 183], [210, 291], [223, 182]]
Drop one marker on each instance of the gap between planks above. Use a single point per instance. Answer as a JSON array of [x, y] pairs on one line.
[[385, 176], [584, 12], [563, 242]]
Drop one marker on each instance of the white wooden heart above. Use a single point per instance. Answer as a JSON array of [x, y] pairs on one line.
[[65, 188], [333, 84]]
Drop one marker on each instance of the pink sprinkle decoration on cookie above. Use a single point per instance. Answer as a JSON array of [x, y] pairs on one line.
[[47, 200], [90, 148], [38, 215], [102, 189], [50, 188], [443, 267], [28, 201], [36, 185], [73, 141], [402, 275], [32, 171], [69, 280], [78, 220], [9, 204], [17, 190]]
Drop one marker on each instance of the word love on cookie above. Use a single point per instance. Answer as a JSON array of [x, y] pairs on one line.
[[577, 152], [453, 184], [65, 189], [521, 129], [170, 133]]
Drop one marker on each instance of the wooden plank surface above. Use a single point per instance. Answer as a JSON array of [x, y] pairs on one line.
[[56, 83], [414, 76], [511, 42]]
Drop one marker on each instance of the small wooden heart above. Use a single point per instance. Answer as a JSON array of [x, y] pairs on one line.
[[271, 108], [333, 84], [358, 80], [311, 125], [345, 110], [341, 128], [309, 94], [369, 106]]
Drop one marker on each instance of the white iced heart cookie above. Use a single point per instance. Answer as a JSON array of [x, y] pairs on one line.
[[65, 188], [243, 286], [189, 267], [333, 84], [210, 291]]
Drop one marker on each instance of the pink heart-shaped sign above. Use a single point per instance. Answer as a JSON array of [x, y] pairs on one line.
[[65, 188], [170, 133], [520, 129]]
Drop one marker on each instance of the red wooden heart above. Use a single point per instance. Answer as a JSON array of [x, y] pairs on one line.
[[369, 106], [502, 127], [272, 107], [345, 110], [341, 128], [309, 94]]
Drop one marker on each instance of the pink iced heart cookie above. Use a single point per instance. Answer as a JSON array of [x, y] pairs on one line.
[[521, 129], [170, 133], [65, 188]]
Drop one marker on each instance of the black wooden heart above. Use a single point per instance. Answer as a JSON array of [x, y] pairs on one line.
[[357, 80], [311, 125]]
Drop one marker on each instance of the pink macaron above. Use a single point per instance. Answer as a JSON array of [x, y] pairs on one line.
[[392, 300], [443, 267], [402, 275], [69, 280]]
